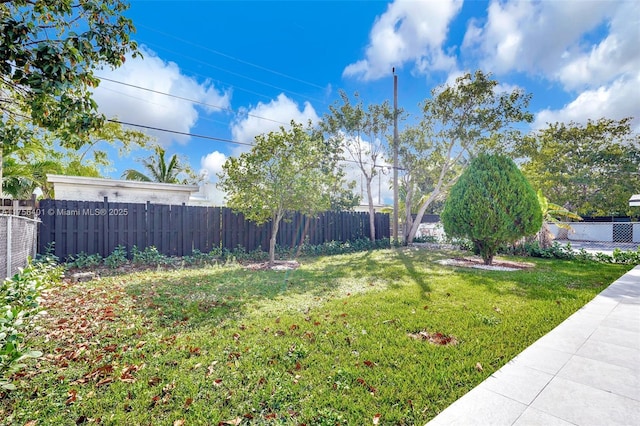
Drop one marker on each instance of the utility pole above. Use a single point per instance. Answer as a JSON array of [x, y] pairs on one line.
[[395, 156]]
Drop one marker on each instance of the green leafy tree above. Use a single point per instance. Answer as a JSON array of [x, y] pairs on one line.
[[458, 122], [491, 204], [158, 169], [27, 163], [49, 52], [590, 169], [552, 214], [361, 133], [289, 170]]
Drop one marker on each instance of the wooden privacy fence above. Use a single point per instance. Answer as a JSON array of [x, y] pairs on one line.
[[177, 230]]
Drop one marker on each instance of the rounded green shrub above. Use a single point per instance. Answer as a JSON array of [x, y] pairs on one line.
[[491, 204]]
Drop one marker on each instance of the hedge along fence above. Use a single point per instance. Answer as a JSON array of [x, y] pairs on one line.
[[177, 230]]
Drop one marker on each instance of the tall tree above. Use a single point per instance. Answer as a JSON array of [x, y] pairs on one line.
[[423, 167], [491, 204], [591, 169], [49, 51], [458, 122], [362, 133], [284, 171], [158, 169], [27, 163]]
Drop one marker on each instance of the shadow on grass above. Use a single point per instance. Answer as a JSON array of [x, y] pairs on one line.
[[191, 298], [408, 260], [548, 280]]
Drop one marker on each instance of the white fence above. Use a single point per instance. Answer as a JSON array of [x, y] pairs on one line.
[[606, 232], [18, 242]]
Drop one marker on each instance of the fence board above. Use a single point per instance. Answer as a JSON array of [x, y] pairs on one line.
[[99, 227]]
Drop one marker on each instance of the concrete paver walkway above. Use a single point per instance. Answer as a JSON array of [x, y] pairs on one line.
[[584, 372]]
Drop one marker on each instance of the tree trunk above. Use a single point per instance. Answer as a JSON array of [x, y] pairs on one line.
[[545, 236], [421, 210], [408, 206], [372, 212], [272, 242]]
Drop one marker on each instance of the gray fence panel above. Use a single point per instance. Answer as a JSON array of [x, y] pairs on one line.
[[176, 230], [17, 243]]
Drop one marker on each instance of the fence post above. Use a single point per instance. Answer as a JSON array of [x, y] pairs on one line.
[[105, 229], [9, 244]]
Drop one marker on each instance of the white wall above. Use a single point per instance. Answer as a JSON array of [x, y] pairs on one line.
[[592, 231], [121, 191]]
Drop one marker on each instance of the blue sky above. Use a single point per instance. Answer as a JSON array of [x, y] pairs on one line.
[[248, 67]]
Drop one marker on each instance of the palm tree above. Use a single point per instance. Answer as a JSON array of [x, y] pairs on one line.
[[21, 180], [159, 170], [551, 213]]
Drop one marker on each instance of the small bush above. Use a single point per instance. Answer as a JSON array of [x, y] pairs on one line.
[[149, 256], [566, 252], [84, 260], [117, 258], [200, 258], [18, 306], [426, 239]]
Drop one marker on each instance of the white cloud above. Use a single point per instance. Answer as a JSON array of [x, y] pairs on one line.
[[616, 101], [590, 48], [581, 45], [212, 163], [268, 117], [409, 31], [615, 55], [137, 106]]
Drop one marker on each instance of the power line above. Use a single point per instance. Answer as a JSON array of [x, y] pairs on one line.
[[214, 138], [189, 100], [236, 74], [235, 59], [177, 132]]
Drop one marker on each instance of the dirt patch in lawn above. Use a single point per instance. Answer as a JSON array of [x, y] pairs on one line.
[[278, 265], [437, 339], [478, 263]]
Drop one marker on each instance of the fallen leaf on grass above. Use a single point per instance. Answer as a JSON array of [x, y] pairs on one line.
[[479, 366], [188, 402], [234, 422], [435, 338], [110, 348], [104, 381], [178, 422], [72, 396]]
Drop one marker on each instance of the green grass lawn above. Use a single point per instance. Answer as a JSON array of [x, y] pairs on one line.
[[328, 343]]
